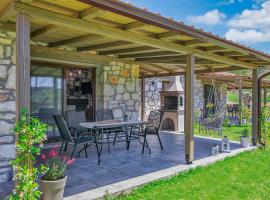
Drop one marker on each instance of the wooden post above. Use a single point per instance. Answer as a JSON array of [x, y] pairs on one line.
[[189, 109], [142, 97], [22, 62], [240, 93], [265, 96], [255, 113]]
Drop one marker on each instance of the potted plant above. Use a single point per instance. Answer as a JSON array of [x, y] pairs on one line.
[[244, 139], [52, 183], [246, 115], [30, 134]]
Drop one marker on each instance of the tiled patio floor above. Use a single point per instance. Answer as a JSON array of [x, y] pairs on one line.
[[120, 164]]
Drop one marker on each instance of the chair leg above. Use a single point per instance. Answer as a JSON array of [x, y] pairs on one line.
[[61, 148], [114, 140], [74, 149], [85, 150], [65, 147], [144, 143], [160, 142]]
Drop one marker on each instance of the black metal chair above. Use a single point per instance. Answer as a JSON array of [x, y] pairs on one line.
[[74, 118], [84, 139], [152, 128], [104, 114]]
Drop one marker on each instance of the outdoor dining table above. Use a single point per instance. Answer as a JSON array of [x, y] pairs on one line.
[[101, 128]]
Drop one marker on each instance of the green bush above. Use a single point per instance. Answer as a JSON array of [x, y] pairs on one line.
[[30, 134]]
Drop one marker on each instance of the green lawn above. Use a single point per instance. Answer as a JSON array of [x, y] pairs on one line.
[[233, 132], [246, 176]]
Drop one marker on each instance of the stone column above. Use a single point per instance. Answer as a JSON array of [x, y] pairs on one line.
[[7, 102]]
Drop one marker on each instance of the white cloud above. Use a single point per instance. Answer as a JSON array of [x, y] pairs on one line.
[[212, 17], [247, 36], [251, 26], [253, 19]]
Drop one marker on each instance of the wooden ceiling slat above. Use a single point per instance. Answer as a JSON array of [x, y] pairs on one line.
[[103, 46], [151, 54], [126, 51], [92, 27]]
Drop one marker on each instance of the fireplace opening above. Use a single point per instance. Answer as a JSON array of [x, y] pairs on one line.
[[168, 125]]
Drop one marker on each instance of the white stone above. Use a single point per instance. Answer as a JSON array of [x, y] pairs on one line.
[[3, 72], [155, 96], [1, 51], [6, 139], [107, 68], [5, 128], [4, 61], [116, 73], [4, 177], [131, 87], [8, 106], [121, 81], [108, 90], [6, 169], [120, 89], [119, 97], [7, 151], [11, 80], [116, 68], [8, 51], [130, 103], [135, 96], [126, 96], [118, 113], [4, 163]]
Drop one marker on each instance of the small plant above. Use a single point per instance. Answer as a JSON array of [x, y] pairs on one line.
[[54, 165], [245, 132], [265, 126], [246, 114], [30, 133]]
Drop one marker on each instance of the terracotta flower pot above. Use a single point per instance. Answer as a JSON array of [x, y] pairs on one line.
[[53, 190]]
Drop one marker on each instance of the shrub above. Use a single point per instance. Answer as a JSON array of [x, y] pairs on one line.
[[30, 133], [245, 132]]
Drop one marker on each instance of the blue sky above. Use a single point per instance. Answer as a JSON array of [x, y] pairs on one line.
[[243, 21]]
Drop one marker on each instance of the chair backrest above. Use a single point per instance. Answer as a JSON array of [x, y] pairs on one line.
[[104, 114], [155, 118], [74, 118], [63, 128]]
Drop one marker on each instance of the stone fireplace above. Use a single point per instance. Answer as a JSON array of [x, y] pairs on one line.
[[172, 103]]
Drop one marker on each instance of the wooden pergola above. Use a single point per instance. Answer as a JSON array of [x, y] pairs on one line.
[[84, 32]]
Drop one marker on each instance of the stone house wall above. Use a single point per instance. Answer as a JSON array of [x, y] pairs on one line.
[[118, 88], [7, 102]]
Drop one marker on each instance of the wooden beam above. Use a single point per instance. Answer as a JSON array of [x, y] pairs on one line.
[[194, 43], [7, 26], [134, 26], [255, 111], [23, 63], [7, 12], [151, 54], [127, 51], [167, 58], [43, 30], [103, 46], [76, 40], [159, 68], [189, 108], [92, 13], [107, 31], [46, 54], [240, 98]]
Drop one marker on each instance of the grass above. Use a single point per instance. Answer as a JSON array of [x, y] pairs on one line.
[[245, 176], [233, 132]]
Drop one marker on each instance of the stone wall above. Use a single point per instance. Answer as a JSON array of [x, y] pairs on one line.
[[118, 88], [152, 97], [7, 102]]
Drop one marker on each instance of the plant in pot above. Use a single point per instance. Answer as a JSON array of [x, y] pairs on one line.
[[244, 139], [30, 134], [52, 183], [246, 115]]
